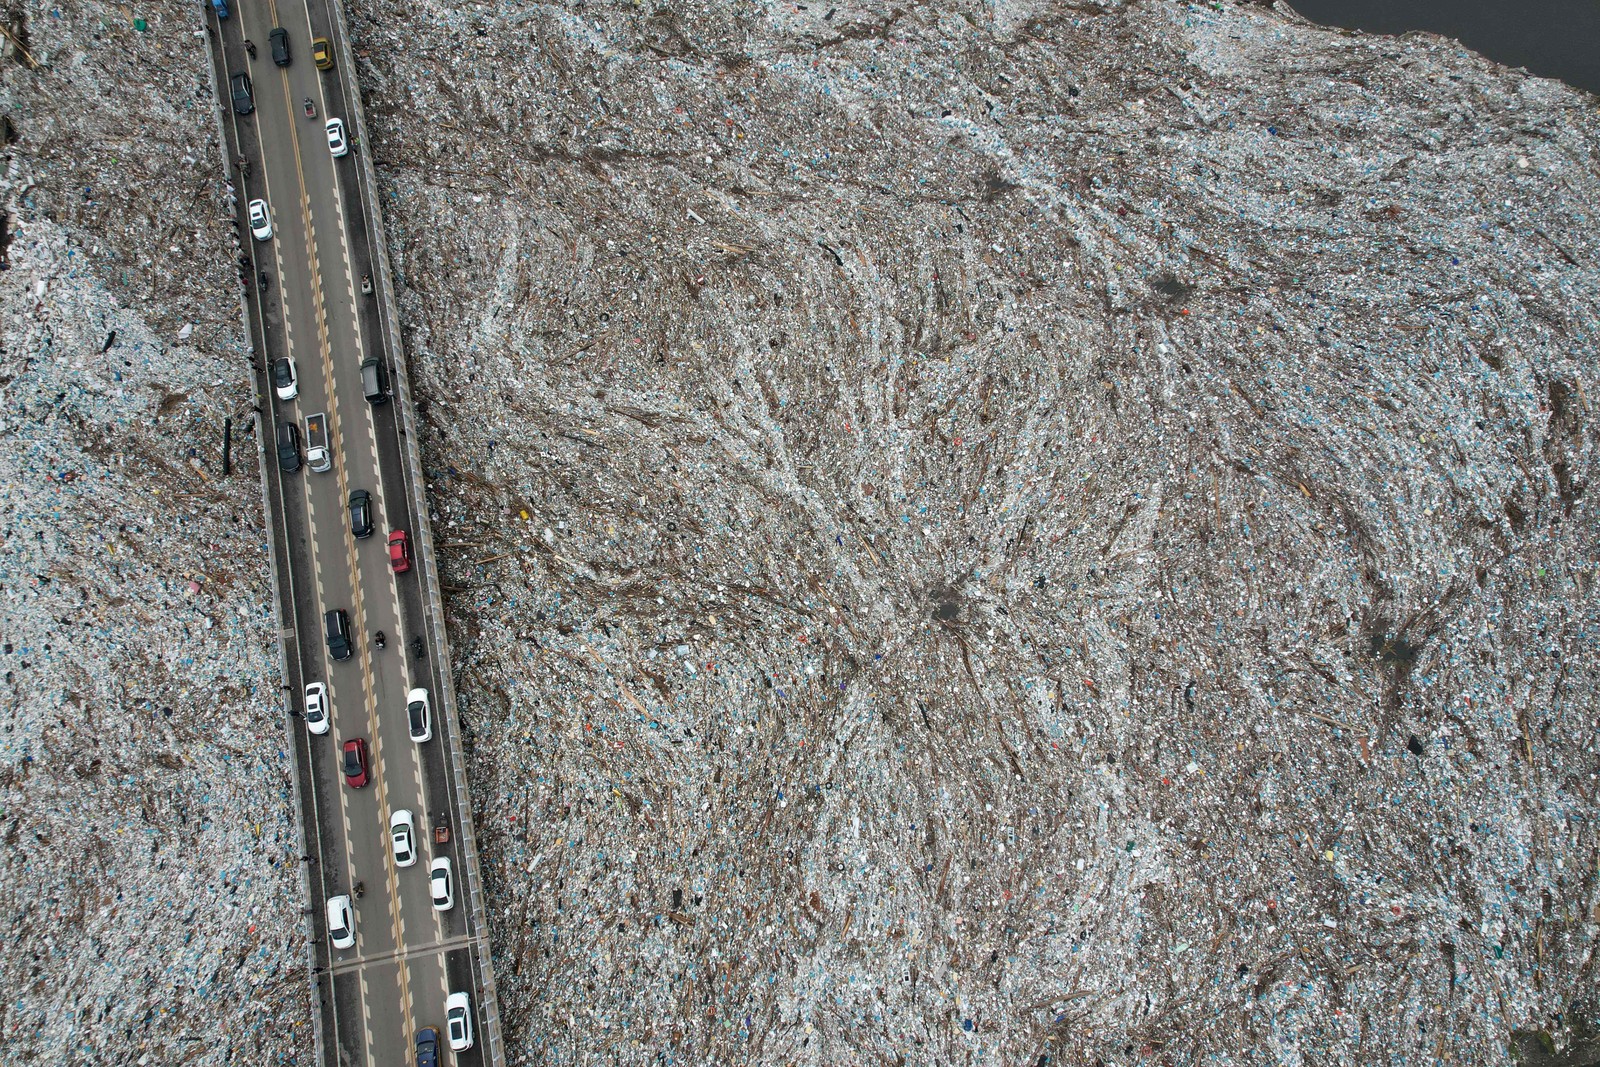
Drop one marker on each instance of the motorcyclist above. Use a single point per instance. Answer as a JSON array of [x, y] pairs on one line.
[[379, 639], [251, 48], [262, 277]]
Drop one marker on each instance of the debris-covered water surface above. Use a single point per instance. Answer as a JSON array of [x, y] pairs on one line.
[[974, 533], [1008, 533]]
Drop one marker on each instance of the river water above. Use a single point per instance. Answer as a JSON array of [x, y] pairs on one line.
[[1551, 38]]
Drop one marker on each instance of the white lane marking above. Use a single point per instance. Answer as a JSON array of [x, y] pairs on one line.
[[366, 1020]]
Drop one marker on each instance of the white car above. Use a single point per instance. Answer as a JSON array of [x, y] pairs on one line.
[[260, 221], [419, 715], [439, 884], [285, 378], [403, 838], [458, 1020], [336, 142], [341, 922], [317, 707]]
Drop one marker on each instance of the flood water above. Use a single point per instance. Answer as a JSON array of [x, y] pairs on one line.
[[1552, 38]]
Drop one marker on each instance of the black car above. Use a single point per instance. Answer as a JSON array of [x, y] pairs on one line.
[[337, 625], [244, 101], [361, 513], [427, 1047], [288, 447], [279, 39]]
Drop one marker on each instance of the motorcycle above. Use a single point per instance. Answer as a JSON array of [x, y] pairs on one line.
[[311, 109], [378, 639], [263, 281], [366, 285]]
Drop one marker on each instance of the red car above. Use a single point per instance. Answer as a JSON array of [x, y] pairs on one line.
[[355, 762], [399, 552]]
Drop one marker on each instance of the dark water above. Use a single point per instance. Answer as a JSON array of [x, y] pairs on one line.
[[1552, 38]]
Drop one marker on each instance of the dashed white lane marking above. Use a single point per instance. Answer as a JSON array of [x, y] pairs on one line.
[[366, 1017]]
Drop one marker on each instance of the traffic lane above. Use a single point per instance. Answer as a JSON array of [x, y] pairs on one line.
[[372, 608], [316, 762], [348, 996], [338, 92], [304, 662], [389, 1040], [423, 672], [402, 767], [461, 975], [389, 930], [299, 178]]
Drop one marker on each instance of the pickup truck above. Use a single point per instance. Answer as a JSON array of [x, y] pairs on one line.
[[318, 456]]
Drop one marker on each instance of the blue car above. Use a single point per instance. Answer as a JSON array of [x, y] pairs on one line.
[[428, 1047]]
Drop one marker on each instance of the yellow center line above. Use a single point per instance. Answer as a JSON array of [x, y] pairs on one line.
[[357, 610]]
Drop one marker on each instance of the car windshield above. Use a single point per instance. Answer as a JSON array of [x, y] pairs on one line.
[[280, 369]]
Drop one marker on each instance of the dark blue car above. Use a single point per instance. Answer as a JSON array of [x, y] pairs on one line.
[[428, 1047]]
